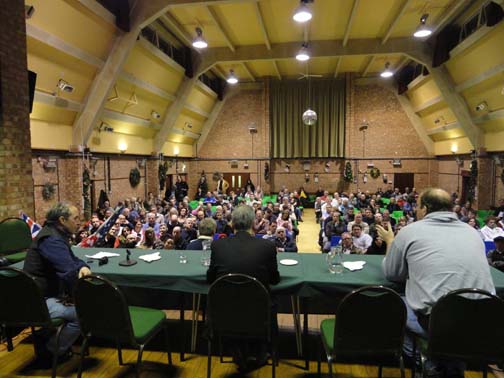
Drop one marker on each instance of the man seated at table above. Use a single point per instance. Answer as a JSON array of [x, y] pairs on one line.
[[432, 265], [249, 255], [283, 242], [56, 269], [206, 231], [496, 257]]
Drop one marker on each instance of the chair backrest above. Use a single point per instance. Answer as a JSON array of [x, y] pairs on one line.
[[466, 324], [21, 300], [15, 236], [335, 240], [370, 321], [102, 310], [239, 306], [489, 245]]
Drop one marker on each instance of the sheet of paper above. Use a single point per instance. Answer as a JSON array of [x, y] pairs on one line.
[[150, 257], [101, 255], [353, 265]]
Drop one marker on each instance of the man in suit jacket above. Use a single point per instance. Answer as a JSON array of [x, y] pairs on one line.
[[244, 253], [206, 231]]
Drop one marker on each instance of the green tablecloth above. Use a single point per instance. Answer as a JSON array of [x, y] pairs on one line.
[[309, 278]]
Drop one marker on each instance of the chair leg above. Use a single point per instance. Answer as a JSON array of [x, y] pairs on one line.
[[55, 355], [139, 360], [82, 352], [10, 345], [380, 371], [209, 359], [273, 360], [329, 365], [485, 370], [168, 347], [119, 353], [318, 359], [401, 366], [220, 351]]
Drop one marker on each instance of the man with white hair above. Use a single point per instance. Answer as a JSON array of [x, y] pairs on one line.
[[283, 242]]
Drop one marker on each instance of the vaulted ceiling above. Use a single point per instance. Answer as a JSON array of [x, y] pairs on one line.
[[131, 86]]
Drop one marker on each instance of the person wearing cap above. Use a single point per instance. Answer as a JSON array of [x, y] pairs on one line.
[[283, 242], [496, 257]]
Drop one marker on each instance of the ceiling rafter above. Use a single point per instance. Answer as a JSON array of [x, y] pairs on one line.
[[323, 48], [395, 20], [277, 70], [173, 25], [224, 34], [451, 13], [350, 22], [368, 65], [99, 10], [260, 19], [338, 64], [247, 70], [475, 80], [132, 79], [185, 3]]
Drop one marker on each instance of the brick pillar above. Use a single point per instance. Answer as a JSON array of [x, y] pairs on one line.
[[152, 180], [485, 184], [70, 181], [16, 183]]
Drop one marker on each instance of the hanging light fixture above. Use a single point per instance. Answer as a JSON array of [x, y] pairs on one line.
[[232, 79], [303, 53], [199, 42], [303, 12], [387, 72], [423, 30], [309, 116]]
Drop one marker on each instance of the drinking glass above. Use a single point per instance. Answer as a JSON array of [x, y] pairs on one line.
[[205, 257], [334, 260], [182, 257]]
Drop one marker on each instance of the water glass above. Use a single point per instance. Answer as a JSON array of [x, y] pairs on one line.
[[182, 257], [205, 256], [334, 260]]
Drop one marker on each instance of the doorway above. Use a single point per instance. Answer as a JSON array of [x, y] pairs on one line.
[[236, 180], [404, 180]]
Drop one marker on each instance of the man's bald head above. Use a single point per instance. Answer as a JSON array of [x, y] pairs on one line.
[[435, 199]]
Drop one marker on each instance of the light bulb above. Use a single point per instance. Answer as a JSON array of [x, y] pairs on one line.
[[302, 13]]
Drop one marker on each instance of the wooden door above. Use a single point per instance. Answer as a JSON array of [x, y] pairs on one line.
[[404, 180], [236, 180]]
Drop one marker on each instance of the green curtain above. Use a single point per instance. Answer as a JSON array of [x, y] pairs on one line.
[[290, 137]]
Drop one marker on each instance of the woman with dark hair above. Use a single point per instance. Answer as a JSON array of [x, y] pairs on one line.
[[378, 247]]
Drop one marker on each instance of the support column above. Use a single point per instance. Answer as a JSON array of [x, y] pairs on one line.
[[486, 183]]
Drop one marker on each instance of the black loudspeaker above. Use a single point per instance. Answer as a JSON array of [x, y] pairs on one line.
[[32, 79]]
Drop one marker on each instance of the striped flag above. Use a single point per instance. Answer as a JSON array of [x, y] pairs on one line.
[[34, 226], [102, 230]]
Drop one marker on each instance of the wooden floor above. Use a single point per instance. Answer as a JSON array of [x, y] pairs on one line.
[[102, 361]]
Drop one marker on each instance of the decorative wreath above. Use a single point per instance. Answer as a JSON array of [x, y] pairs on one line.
[[374, 173], [134, 177], [48, 191]]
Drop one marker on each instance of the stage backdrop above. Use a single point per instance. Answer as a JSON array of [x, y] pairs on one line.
[[290, 137]]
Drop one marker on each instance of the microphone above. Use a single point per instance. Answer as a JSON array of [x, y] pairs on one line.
[[128, 261]]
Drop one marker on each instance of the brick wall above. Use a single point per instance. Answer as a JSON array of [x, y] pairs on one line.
[[16, 184]]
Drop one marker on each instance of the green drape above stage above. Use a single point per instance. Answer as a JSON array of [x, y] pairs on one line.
[[290, 137]]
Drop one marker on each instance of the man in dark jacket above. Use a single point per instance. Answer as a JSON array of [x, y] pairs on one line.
[[56, 269], [283, 242], [206, 231], [496, 257]]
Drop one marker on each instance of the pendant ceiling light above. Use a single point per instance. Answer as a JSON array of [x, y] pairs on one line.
[[303, 53], [303, 12], [387, 72], [199, 42], [309, 116], [423, 30], [232, 79]]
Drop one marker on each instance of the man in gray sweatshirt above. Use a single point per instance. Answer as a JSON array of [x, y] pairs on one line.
[[434, 256]]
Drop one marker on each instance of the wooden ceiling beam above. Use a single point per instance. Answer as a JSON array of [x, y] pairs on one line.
[[368, 65], [247, 70], [338, 64], [132, 79], [173, 25], [260, 19], [453, 12], [277, 70], [99, 10], [350, 22], [56, 101], [395, 21], [185, 3], [215, 19], [288, 50], [475, 80]]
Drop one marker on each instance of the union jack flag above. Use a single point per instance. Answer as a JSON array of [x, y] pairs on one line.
[[34, 226], [90, 241]]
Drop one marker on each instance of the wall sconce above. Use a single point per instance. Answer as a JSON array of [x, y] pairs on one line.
[[316, 177], [454, 148], [287, 168], [176, 150], [327, 167], [459, 161], [123, 147]]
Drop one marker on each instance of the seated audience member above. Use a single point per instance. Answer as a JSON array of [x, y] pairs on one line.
[[457, 209], [393, 206], [318, 209], [150, 241], [178, 239], [189, 232], [182, 217], [347, 246], [222, 224], [388, 219], [261, 224], [55, 268], [209, 198], [361, 240], [368, 216], [378, 221], [491, 230], [108, 241], [81, 235], [206, 231], [378, 247], [130, 241], [422, 255], [163, 232], [358, 220], [474, 224], [334, 227], [283, 242], [208, 210], [285, 221], [169, 244], [151, 223], [172, 223], [94, 224], [496, 256], [271, 234]]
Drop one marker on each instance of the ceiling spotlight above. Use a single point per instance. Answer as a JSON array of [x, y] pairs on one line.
[[303, 53], [387, 72], [232, 79], [423, 30], [303, 12], [155, 115], [199, 42]]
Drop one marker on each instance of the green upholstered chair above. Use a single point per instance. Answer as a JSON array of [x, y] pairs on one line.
[[385, 201], [102, 312], [239, 308], [15, 239], [368, 327], [465, 325], [23, 305]]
